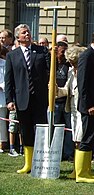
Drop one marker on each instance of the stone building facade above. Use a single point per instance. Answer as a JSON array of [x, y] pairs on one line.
[[72, 21]]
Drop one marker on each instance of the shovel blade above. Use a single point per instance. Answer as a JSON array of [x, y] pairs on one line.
[[46, 160]]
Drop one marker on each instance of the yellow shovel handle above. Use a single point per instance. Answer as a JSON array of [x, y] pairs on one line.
[[52, 73]]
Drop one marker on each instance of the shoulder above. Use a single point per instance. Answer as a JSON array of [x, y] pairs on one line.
[[39, 48], [87, 52], [13, 52], [85, 59], [36, 47], [86, 56]]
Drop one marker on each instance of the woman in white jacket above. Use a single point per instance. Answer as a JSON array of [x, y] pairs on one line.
[[3, 109], [71, 90]]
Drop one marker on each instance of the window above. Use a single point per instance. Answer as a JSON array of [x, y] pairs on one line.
[[90, 21], [28, 12]]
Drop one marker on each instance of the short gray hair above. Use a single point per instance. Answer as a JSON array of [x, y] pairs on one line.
[[17, 29]]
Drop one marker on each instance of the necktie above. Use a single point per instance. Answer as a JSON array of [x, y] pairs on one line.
[[27, 57]]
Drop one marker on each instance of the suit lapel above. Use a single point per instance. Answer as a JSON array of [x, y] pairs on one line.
[[33, 55], [21, 57]]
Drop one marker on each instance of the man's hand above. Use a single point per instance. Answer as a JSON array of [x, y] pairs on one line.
[[11, 106], [91, 111]]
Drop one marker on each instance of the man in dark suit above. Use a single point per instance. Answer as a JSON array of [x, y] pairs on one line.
[[26, 87], [85, 80]]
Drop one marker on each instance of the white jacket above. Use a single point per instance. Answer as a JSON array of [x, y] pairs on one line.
[[69, 89], [2, 83]]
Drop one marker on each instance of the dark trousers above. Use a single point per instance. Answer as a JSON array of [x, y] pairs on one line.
[[87, 142], [62, 117], [28, 118]]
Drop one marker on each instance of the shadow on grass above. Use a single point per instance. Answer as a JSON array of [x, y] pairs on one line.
[[63, 174]]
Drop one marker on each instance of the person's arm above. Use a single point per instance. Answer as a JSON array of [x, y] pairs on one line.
[[9, 83], [61, 92], [85, 80], [81, 74]]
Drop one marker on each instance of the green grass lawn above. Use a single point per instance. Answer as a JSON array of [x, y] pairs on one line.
[[12, 183]]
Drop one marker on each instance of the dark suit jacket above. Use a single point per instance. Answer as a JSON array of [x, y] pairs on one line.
[[85, 79], [17, 81]]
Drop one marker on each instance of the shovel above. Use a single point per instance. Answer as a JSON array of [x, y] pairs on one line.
[[49, 137]]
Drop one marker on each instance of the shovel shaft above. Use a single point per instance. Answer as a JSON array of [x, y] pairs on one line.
[[52, 80], [51, 127], [52, 75], [53, 65]]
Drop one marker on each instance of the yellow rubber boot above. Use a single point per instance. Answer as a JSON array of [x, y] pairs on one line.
[[73, 174], [90, 165], [82, 167], [28, 152]]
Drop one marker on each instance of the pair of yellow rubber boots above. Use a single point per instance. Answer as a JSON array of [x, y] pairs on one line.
[[82, 167], [28, 153]]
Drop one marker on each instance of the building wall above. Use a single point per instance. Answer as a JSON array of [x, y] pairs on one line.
[[6, 14], [2, 14], [70, 21]]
